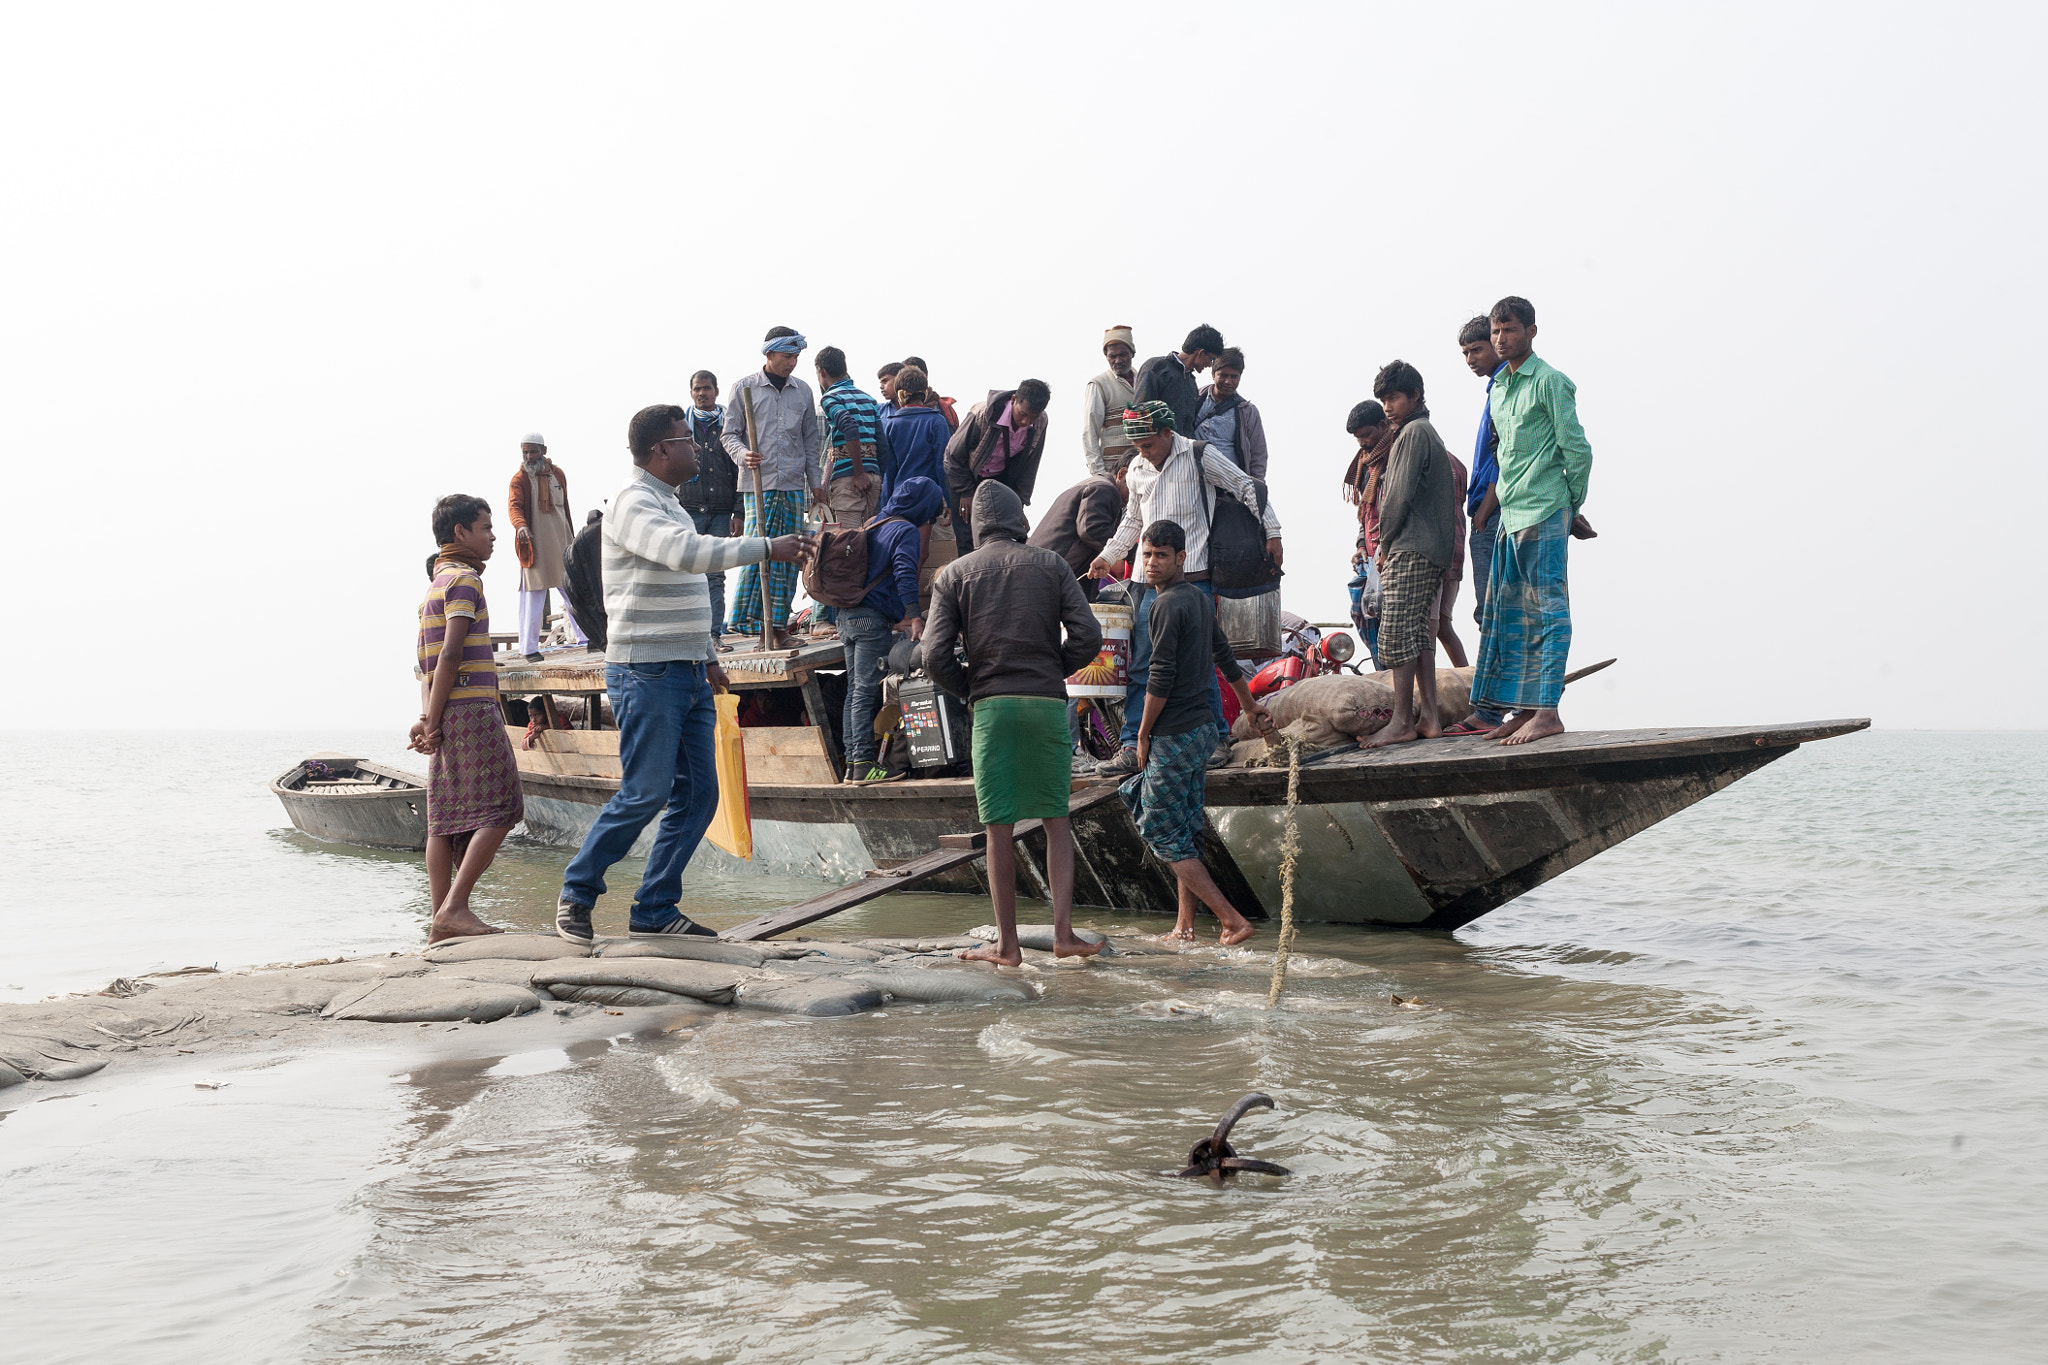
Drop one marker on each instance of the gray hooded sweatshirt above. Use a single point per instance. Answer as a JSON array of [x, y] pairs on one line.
[[1008, 602]]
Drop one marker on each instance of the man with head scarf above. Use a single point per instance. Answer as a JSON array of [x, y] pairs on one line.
[[889, 609], [538, 504], [791, 441], [1103, 445], [1170, 481], [1008, 603]]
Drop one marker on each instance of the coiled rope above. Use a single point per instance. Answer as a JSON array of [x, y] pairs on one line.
[[1290, 852]]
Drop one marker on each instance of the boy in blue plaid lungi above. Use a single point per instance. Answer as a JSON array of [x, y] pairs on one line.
[[785, 518], [1545, 463], [1176, 736]]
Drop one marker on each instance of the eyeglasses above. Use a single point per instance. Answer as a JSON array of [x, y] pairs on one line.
[[670, 440]]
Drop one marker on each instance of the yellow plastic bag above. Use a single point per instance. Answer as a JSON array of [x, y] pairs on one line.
[[732, 829]]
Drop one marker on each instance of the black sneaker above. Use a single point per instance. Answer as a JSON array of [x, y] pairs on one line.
[[535, 658], [676, 923], [1220, 758], [572, 922]]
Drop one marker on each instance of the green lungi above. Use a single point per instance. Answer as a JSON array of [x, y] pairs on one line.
[[1023, 759]]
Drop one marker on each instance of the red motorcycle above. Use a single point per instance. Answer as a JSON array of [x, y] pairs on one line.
[[1326, 654]]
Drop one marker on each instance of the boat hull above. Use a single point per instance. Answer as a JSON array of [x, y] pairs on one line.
[[392, 815], [1425, 836]]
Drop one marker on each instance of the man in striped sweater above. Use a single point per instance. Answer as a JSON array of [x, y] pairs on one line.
[[661, 672]]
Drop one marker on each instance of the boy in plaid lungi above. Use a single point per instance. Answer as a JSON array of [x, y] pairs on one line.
[[1417, 542], [1545, 464]]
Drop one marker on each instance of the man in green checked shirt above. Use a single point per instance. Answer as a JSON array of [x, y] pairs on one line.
[[1545, 464]]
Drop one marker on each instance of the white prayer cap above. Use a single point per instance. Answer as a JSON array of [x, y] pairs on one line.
[[534, 438]]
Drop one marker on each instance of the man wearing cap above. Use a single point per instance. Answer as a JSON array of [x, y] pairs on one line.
[[790, 442], [1103, 444], [538, 504], [1167, 484]]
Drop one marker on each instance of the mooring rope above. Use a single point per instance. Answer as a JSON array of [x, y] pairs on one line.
[[1290, 851]]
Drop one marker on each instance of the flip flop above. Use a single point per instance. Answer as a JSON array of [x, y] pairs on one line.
[[1462, 728]]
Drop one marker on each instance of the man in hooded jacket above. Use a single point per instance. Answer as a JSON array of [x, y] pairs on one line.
[[889, 609], [1008, 603]]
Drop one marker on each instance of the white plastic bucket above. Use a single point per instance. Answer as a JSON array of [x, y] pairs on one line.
[[1109, 673]]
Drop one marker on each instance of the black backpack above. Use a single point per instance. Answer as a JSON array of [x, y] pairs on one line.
[[1238, 563]]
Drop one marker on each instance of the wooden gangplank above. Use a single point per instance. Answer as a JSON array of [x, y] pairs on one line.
[[957, 850]]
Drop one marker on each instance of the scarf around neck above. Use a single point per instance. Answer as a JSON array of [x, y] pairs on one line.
[[455, 554], [1362, 480]]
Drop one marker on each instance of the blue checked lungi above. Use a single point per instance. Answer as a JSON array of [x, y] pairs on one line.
[[785, 518], [1528, 628], [1167, 798]]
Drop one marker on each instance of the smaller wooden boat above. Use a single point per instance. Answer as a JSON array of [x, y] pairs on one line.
[[344, 800]]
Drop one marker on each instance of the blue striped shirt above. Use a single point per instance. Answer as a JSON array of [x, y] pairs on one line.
[[851, 415]]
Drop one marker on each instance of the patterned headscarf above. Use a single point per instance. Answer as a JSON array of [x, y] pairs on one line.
[[795, 345], [1147, 418]]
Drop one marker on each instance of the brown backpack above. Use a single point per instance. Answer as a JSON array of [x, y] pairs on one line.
[[838, 577]]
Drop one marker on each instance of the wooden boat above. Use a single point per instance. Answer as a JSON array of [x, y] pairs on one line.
[[1429, 835], [345, 800]]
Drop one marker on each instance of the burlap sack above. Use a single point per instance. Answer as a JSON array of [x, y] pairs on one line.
[[1335, 708]]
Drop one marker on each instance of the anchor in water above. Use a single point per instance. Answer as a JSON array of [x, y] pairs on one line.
[[1215, 1159]]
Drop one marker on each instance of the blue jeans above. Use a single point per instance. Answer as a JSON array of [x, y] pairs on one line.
[[714, 524], [1141, 665], [867, 639], [667, 721]]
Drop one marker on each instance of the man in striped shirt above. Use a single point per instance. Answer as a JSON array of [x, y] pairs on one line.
[[1167, 484], [660, 673], [853, 426]]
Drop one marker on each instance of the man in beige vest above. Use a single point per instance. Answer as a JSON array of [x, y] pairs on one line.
[[538, 505], [1103, 444]]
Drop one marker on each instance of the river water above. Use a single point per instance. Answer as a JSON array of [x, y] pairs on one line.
[[1766, 1082]]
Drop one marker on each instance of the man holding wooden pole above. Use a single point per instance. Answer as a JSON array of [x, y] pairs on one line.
[[772, 430]]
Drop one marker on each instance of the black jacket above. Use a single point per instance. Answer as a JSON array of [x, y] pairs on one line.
[[717, 485], [1164, 378], [1080, 522], [976, 440], [1007, 601]]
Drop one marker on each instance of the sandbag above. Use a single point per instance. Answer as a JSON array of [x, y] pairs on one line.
[[821, 998], [419, 1000], [846, 952], [708, 981], [497, 972], [9, 1076], [40, 1057], [1337, 707], [516, 947], [1038, 936], [941, 985], [623, 996], [1453, 693], [689, 947]]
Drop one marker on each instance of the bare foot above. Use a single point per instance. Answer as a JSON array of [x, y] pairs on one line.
[[1235, 933], [993, 953], [1429, 727], [1391, 734], [1182, 933], [1541, 725], [1515, 721], [457, 923], [1074, 947]]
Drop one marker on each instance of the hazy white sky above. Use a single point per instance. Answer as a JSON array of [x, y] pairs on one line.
[[276, 277]]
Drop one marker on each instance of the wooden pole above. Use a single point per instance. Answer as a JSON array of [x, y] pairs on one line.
[[761, 514]]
